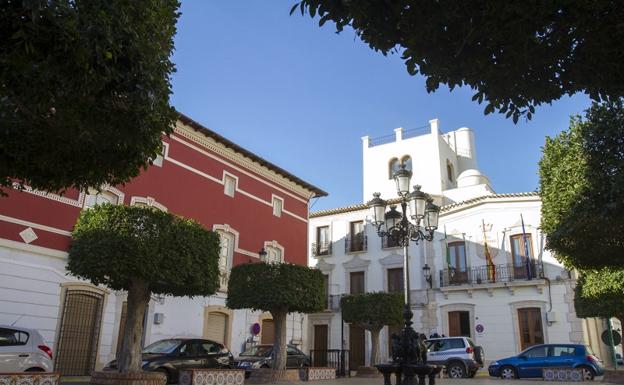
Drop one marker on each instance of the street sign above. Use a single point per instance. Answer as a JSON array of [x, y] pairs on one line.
[[617, 338]]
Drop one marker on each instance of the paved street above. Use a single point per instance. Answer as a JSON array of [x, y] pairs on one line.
[[480, 379]]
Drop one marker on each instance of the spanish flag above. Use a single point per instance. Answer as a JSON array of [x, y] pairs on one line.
[[491, 268]]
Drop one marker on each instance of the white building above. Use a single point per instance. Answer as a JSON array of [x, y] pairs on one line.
[[505, 311]]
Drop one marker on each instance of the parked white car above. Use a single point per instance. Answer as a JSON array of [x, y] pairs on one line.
[[23, 350]]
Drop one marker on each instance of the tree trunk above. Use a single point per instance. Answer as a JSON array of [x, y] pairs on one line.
[[279, 347], [130, 355], [374, 357]]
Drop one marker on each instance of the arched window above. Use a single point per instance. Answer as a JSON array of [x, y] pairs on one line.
[[406, 161], [393, 166], [106, 195], [226, 251], [275, 252], [449, 170]]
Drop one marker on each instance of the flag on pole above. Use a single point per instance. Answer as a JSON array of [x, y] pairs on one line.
[[491, 269], [527, 255], [448, 251]]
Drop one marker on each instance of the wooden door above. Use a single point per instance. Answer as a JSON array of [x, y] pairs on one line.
[[216, 327], [357, 344], [459, 323], [356, 282], [530, 325], [79, 334], [395, 280], [268, 332], [320, 345]]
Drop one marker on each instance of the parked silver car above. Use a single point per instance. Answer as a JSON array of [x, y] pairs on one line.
[[459, 355], [23, 350]]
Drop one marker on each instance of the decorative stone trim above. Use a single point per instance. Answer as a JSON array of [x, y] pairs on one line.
[[562, 374], [319, 373], [212, 377], [30, 378], [135, 378]]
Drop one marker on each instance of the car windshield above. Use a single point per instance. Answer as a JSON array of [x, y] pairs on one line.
[[257, 351], [162, 347]]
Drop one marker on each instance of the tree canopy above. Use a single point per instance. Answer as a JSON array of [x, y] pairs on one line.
[[373, 311], [280, 289], [582, 189], [142, 250], [600, 293], [280, 286], [84, 90], [114, 245], [515, 55]]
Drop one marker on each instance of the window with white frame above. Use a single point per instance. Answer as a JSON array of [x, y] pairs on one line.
[[161, 157], [278, 203], [101, 197], [229, 185], [226, 251], [274, 255]]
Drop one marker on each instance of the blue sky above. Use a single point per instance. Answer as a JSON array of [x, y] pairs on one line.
[[302, 96]]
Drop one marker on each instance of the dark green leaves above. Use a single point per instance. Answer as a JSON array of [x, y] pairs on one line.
[[582, 189], [114, 244], [600, 293], [84, 90], [276, 287], [516, 55], [372, 310]]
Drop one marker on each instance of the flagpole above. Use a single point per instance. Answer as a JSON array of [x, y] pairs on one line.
[[526, 251]]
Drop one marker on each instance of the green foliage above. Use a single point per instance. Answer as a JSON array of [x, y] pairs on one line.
[[372, 310], [114, 245], [516, 55], [84, 90], [600, 293], [276, 287], [582, 189]]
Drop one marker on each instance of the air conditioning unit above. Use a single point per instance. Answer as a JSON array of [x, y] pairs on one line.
[[551, 316]]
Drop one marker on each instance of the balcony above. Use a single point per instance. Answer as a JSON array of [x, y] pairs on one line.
[[390, 243], [224, 278], [356, 243], [321, 249], [489, 275]]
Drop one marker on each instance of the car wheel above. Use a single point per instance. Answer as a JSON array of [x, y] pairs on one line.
[[508, 373], [456, 370], [588, 373]]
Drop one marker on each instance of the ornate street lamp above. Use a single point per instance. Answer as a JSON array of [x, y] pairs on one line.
[[408, 350]]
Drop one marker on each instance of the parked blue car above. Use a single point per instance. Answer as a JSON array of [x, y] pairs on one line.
[[530, 362]]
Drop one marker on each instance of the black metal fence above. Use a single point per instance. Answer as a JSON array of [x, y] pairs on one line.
[[490, 274], [389, 242], [321, 248], [332, 358], [356, 243]]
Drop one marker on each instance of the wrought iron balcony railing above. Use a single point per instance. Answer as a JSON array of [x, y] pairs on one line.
[[490, 274], [321, 249], [356, 243], [390, 242]]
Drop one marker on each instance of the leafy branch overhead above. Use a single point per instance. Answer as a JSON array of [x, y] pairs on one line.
[[84, 90], [515, 55], [372, 310], [600, 293]]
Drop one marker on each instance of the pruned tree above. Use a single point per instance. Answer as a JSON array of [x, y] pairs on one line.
[[280, 289], [582, 189], [84, 90], [373, 311], [515, 55], [143, 251], [600, 293]]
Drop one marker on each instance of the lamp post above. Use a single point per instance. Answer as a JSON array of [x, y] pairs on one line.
[[408, 351]]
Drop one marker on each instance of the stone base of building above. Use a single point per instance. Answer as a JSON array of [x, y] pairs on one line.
[[135, 378], [266, 376]]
